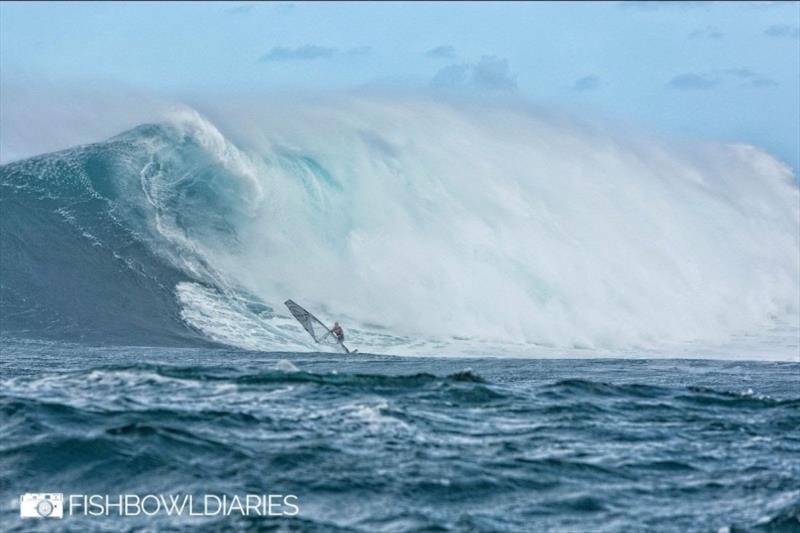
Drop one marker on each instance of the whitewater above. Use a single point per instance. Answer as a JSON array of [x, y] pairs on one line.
[[424, 226]]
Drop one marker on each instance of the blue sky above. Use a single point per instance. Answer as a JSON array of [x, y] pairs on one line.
[[719, 71]]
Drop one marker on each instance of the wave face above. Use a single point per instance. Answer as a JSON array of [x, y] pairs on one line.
[[423, 226], [77, 261]]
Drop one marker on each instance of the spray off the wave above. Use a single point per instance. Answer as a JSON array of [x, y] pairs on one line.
[[501, 224], [463, 224]]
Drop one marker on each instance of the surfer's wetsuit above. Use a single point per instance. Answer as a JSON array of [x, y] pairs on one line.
[[337, 330]]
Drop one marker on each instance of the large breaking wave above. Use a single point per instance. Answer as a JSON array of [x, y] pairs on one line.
[[424, 226]]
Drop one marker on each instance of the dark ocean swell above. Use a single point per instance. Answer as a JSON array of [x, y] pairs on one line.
[[384, 443]]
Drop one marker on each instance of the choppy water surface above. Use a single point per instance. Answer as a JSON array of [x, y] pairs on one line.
[[376, 443]]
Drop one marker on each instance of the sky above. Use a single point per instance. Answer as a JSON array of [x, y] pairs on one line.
[[694, 70]]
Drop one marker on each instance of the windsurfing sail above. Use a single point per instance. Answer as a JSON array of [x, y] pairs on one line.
[[314, 326]]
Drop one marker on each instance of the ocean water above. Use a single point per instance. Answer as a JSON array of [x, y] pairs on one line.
[[559, 328], [382, 443]]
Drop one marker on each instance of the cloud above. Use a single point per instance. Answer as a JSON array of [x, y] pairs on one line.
[[587, 83], [708, 80], [445, 51], [749, 77], [709, 32], [783, 30], [451, 76], [490, 73], [692, 80], [310, 52]]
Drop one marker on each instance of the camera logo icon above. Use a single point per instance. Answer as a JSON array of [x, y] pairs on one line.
[[41, 505]]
